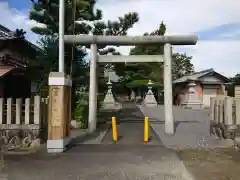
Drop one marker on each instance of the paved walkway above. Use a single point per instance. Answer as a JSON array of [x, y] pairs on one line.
[[99, 162], [130, 126], [191, 127], [130, 159]]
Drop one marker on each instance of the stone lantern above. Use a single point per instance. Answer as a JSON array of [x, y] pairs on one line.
[[149, 99], [109, 101]]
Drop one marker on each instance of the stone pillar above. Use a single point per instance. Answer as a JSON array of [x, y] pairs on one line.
[[149, 99], [59, 115], [92, 116], [168, 101]]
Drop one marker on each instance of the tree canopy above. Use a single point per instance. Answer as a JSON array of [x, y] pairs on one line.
[[81, 17], [89, 21], [181, 64]]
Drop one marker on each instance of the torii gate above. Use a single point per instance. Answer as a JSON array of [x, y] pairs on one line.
[[60, 110]]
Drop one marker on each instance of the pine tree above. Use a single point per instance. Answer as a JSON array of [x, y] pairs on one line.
[[89, 22]]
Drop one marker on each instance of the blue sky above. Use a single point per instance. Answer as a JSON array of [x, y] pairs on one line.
[[216, 24], [19, 4]]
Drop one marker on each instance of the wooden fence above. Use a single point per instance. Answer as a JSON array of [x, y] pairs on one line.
[[225, 116], [22, 120]]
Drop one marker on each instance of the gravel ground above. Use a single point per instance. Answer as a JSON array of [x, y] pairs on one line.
[[217, 164], [204, 156]]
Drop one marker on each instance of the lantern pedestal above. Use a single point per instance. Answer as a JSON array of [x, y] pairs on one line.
[[109, 101], [149, 99]]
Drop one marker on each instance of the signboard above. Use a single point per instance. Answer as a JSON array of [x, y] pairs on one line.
[[55, 108]]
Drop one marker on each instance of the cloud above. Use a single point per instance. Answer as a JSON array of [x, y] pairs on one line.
[[180, 16], [217, 23], [223, 56], [13, 19]]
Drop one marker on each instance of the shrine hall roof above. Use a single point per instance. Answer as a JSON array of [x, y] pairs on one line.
[[197, 75], [7, 34]]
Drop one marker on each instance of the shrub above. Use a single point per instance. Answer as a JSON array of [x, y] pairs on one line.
[[81, 110]]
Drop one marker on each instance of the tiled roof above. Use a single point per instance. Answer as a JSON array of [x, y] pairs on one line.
[[194, 76], [6, 34], [5, 69]]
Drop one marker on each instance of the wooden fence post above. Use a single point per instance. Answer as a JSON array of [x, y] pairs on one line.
[[221, 113], [212, 108], [18, 111], [1, 110], [27, 111], [237, 104], [37, 109], [9, 110], [216, 114], [228, 111]]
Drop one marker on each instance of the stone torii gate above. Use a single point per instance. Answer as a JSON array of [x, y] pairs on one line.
[[59, 111], [167, 41]]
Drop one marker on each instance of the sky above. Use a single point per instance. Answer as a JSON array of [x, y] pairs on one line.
[[216, 22]]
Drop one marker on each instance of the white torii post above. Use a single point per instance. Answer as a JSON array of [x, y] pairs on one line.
[[169, 123], [92, 116]]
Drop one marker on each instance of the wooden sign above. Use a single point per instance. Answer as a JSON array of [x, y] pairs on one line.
[[55, 107]]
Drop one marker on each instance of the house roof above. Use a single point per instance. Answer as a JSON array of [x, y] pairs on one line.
[[6, 58], [5, 70], [7, 34], [197, 75]]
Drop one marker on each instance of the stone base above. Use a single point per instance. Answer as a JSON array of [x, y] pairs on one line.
[[57, 146], [75, 124], [150, 100], [114, 106], [193, 106], [150, 104]]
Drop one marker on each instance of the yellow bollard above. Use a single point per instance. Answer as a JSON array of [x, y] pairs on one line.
[[146, 129], [114, 129]]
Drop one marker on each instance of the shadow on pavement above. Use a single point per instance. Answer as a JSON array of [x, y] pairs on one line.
[[130, 127], [80, 139]]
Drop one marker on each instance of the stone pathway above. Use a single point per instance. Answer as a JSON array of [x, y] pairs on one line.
[[130, 126]]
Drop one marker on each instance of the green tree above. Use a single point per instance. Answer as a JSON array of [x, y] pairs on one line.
[[143, 71], [181, 64], [89, 22], [46, 12]]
